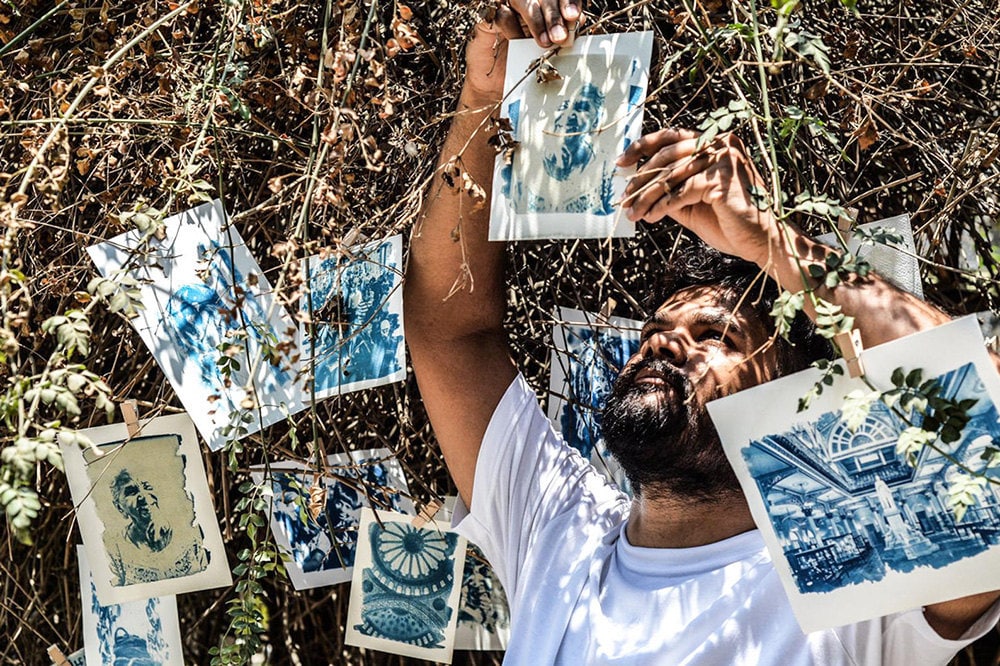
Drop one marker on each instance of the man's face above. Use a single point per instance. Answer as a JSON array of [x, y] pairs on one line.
[[578, 114], [138, 501], [693, 350]]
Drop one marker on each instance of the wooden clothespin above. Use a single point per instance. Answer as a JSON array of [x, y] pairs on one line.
[[353, 237], [426, 514], [130, 411], [604, 316], [850, 347], [57, 656], [846, 221]]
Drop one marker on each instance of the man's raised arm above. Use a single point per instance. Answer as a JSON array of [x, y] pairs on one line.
[[708, 191], [455, 288]]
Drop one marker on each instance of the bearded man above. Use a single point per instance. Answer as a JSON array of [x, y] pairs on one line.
[[679, 575]]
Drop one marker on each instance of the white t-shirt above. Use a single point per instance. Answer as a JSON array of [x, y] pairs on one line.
[[580, 594]]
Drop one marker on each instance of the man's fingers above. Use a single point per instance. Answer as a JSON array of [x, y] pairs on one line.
[[666, 179], [508, 23], [554, 21], [658, 162], [531, 13], [650, 144], [570, 10]]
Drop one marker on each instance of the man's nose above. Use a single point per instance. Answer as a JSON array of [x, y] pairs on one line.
[[668, 346]]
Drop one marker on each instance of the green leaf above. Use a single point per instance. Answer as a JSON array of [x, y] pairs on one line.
[[912, 440], [785, 309], [857, 405]]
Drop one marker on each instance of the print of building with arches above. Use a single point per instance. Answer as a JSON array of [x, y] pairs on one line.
[[846, 508]]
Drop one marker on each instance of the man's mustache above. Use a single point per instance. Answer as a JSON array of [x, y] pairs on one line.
[[674, 378]]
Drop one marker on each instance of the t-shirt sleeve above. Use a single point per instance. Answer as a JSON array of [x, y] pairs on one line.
[[526, 478], [908, 639]]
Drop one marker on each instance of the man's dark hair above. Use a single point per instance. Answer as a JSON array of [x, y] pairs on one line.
[[695, 264]]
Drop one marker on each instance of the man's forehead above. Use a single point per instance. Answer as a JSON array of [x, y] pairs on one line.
[[707, 301]]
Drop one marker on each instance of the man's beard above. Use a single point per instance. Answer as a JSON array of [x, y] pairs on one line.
[[668, 445]]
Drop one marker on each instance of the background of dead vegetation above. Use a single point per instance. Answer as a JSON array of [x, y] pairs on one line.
[[312, 119]]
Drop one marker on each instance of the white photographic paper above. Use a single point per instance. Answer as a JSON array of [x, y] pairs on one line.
[[483, 610], [406, 587], [854, 531], [209, 315], [357, 319], [322, 548], [895, 261], [562, 181], [145, 511], [588, 354], [145, 631]]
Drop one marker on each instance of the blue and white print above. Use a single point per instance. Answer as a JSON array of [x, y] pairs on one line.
[[483, 613], [847, 508], [406, 587], [859, 525], [210, 320], [561, 180], [588, 354], [322, 547], [355, 304], [136, 633]]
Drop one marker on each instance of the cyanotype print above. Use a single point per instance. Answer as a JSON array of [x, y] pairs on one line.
[[149, 528], [562, 181], [145, 513], [588, 353], [210, 320], [856, 530], [356, 310], [483, 612], [406, 587], [895, 259], [322, 546], [136, 633], [847, 508]]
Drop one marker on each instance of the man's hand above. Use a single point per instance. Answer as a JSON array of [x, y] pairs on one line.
[[486, 55], [707, 191]]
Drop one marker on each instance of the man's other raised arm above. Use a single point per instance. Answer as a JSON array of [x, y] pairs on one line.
[[455, 287]]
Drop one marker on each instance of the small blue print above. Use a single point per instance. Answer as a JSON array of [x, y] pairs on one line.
[[329, 540], [405, 591], [848, 509], [357, 337], [595, 359]]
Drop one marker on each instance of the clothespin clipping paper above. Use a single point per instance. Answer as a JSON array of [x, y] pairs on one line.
[[604, 316], [427, 514], [130, 411], [57, 656], [850, 348], [846, 221]]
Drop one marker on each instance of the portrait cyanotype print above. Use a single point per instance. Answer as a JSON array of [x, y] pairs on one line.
[[322, 547], [145, 513], [139, 494], [145, 632], [562, 181], [855, 528], [210, 320], [406, 587], [356, 309], [588, 353]]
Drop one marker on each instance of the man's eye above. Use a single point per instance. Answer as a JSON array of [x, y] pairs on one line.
[[712, 334]]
